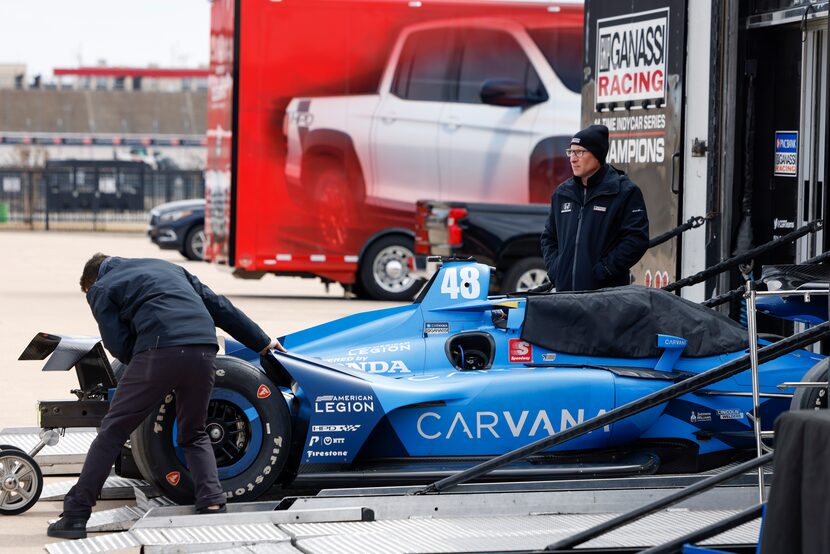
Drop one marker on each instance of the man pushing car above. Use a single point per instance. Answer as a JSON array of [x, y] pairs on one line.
[[161, 321]]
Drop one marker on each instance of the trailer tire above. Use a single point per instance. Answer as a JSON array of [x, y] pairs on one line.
[[249, 426], [384, 269], [525, 274], [812, 399]]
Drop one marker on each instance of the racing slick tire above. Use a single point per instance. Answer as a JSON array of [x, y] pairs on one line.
[[524, 275], [194, 244], [384, 269], [21, 482], [812, 398], [248, 424]]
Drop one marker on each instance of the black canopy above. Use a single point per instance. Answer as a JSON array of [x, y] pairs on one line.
[[623, 322]]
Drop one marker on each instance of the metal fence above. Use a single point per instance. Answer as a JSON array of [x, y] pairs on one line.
[[90, 195]]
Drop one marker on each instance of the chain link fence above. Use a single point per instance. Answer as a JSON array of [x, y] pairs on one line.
[[90, 195]]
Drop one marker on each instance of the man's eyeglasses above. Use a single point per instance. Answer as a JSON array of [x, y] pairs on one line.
[[577, 153]]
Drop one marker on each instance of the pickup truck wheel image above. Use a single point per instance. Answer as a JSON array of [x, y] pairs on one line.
[[384, 269], [525, 274], [813, 398], [194, 244], [248, 425], [335, 203]]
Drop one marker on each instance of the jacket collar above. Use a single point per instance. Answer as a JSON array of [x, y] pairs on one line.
[[604, 182]]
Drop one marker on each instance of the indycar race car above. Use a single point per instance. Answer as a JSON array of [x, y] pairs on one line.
[[413, 393]]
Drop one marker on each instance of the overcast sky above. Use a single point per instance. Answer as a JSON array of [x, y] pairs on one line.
[[45, 34]]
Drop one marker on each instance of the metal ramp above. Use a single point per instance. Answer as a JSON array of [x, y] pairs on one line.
[[65, 458], [115, 488], [494, 519]]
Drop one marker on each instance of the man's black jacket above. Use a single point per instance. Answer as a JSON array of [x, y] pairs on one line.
[[142, 304], [594, 234]]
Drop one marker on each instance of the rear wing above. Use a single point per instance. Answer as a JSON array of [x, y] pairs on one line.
[[85, 354]]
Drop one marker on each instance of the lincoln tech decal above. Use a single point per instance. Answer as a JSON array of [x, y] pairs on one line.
[[631, 57]]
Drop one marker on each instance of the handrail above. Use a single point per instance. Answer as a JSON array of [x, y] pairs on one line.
[[691, 223], [734, 261], [651, 400], [626, 518]]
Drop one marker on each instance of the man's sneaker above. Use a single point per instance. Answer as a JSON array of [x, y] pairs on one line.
[[68, 527], [221, 509]]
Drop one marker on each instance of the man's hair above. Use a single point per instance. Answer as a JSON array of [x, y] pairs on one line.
[[90, 273]]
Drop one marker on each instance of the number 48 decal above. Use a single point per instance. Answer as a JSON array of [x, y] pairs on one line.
[[463, 281]]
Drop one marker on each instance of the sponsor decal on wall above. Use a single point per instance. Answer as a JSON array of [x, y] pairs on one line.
[[631, 57], [786, 154]]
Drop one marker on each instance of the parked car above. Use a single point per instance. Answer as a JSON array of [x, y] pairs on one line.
[[179, 225]]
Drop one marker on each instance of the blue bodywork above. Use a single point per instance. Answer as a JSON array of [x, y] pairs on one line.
[[387, 384]]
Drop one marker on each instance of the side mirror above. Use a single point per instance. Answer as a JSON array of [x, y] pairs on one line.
[[500, 92]]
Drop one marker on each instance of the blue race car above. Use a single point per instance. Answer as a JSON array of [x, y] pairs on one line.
[[413, 393]]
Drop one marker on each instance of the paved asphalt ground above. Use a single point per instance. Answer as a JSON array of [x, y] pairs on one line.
[[39, 291]]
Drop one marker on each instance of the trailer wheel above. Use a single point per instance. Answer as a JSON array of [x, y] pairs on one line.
[[194, 244], [527, 273], [21, 482], [248, 424], [812, 398], [384, 269]]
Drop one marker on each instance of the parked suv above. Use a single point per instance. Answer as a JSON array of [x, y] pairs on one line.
[[179, 225]]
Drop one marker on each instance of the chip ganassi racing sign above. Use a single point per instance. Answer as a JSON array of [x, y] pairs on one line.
[[631, 58]]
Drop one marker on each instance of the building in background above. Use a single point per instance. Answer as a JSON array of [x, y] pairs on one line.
[[156, 115]]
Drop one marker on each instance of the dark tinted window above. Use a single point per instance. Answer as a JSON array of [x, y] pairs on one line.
[[490, 54], [422, 70], [563, 50]]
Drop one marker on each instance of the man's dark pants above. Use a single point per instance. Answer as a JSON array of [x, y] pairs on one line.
[[148, 378]]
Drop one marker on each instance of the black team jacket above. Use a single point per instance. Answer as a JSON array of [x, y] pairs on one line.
[[595, 234], [143, 304]]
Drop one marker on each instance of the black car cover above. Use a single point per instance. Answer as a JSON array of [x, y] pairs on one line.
[[624, 322]]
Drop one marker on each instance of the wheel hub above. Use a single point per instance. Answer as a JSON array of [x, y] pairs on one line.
[[215, 432], [391, 269], [10, 483], [394, 269], [228, 431]]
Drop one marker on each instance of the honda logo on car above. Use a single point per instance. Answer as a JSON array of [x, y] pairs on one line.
[[631, 57], [344, 404], [432, 425], [520, 351]]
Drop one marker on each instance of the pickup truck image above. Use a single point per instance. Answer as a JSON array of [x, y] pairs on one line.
[[467, 109], [504, 236]]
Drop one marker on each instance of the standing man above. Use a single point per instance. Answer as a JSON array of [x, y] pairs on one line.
[[598, 227], [161, 321]]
